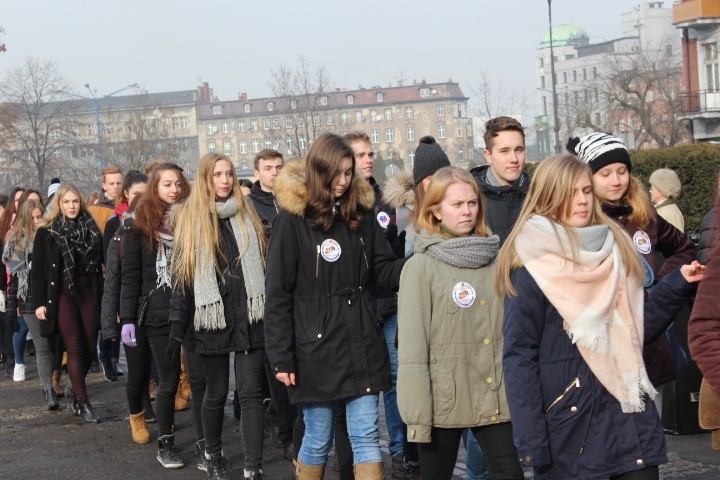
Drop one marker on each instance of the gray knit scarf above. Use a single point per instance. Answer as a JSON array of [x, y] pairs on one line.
[[466, 252], [209, 309], [15, 256]]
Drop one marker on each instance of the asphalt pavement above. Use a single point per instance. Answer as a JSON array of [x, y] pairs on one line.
[[38, 444]]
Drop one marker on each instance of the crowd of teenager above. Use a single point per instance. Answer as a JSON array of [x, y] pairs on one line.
[[525, 317]]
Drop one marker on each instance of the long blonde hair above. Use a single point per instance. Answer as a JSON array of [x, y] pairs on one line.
[[435, 194], [196, 225], [55, 211], [550, 195], [637, 197]]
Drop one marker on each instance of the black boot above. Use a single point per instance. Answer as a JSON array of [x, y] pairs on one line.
[[109, 371], [167, 455], [150, 416], [87, 412], [74, 407], [253, 473], [200, 451], [52, 400], [217, 467]]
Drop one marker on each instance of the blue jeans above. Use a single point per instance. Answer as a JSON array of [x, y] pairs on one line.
[[362, 422], [19, 341], [395, 425], [476, 467]]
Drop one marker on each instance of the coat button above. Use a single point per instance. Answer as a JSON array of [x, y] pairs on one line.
[[49, 301], [639, 461], [486, 341], [573, 409], [277, 369], [433, 360], [52, 283], [319, 335], [489, 379], [528, 459], [53, 264], [493, 418], [367, 389], [483, 302], [412, 433]]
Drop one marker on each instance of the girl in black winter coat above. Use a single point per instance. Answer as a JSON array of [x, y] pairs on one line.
[[145, 291], [219, 279], [324, 338], [66, 283]]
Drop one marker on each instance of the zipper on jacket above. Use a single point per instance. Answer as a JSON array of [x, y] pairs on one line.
[[575, 383], [317, 262], [367, 265]]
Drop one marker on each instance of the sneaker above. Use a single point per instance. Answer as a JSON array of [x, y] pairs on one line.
[[109, 371], [19, 373], [167, 455], [253, 473], [117, 367], [200, 451], [95, 366], [412, 471], [217, 466]]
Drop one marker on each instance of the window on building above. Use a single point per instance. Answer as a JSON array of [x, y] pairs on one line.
[[276, 123], [350, 99], [594, 72], [411, 157], [409, 113], [243, 146], [358, 117], [255, 145], [574, 75], [270, 106], [441, 130], [266, 124], [388, 114], [343, 118], [584, 73], [241, 126], [469, 129], [390, 154], [712, 73], [268, 143], [440, 110], [290, 144], [410, 133], [247, 108], [458, 131], [303, 143], [380, 96], [329, 119], [544, 105], [301, 121], [253, 125], [211, 147], [373, 116], [541, 62], [542, 81], [217, 109], [323, 100], [226, 127], [211, 129], [180, 123], [293, 104], [288, 122], [564, 77], [424, 92], [374, 136], [227, 147], [597, 95], [390, 135], [316, 120]]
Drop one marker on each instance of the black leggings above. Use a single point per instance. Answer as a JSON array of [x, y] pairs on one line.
[[249, 376], [196, 379], [437, 458], [217, 378], [647, 473]]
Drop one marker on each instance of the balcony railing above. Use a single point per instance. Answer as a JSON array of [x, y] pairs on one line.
[[700, 102], [696, 12]]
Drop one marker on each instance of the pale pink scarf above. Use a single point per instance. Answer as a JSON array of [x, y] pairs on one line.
[[601, 307]]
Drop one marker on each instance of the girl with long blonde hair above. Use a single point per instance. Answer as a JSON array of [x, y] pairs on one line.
[[218, 306], [574, 324]]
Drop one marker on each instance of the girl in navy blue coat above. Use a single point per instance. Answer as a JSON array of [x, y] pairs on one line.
[[575, 323]]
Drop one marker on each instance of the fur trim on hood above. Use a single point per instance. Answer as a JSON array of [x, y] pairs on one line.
[[399, 190], [291, 189]]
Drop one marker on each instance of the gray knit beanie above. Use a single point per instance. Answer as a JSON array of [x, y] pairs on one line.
[[429, 158], [666, 182]]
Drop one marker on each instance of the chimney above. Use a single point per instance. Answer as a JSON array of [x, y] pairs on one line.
[[242, 96]]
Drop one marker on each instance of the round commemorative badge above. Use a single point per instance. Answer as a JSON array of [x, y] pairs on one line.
[[463, 294], [383, 219], [642, 242], [330, 250]]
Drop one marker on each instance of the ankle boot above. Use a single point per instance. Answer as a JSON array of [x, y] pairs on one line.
[[167, 455], [200, 451], [308, 472], [184, 385], [52, 400], [369, 471], [56, 384], [217, 467], [180, 402], [87, 412], [140, 433]]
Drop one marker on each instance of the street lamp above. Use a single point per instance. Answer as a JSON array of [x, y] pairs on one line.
[[101, 154], [553, 82]]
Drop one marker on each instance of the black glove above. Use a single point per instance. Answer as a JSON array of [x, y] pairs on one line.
[[172, 351], [13, 322], [397, 242]]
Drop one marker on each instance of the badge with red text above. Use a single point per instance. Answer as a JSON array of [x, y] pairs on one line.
[[642, 242], [463, 294], [383, 219], [330, 250]]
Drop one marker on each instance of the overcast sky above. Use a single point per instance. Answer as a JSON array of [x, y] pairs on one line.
[[172, 45]]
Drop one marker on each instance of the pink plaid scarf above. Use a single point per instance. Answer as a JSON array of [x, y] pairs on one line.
[[601, 307]]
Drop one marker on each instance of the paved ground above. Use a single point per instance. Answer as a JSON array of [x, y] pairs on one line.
[[37, 444]]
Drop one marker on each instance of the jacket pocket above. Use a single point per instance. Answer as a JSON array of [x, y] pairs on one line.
[[311, 321], [565, 395], [443, 389]]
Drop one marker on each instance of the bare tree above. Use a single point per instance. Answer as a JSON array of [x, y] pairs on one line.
[[36, 125], [493, 99], [300, 94]]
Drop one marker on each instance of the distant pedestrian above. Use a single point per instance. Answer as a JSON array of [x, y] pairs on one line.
[[665, 188]]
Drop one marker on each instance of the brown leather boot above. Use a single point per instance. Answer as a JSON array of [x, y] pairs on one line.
[[59, 391], [180, 402], [140, 433], [308, 472], [369, 471], [184, 385], [716, 439]]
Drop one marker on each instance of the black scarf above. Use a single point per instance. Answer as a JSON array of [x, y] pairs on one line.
[[78, 239]]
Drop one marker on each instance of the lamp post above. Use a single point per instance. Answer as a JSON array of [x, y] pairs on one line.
[[553, 82], [96, 100]]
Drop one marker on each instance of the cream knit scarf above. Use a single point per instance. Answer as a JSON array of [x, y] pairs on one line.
[[209, 309], [601, 307]]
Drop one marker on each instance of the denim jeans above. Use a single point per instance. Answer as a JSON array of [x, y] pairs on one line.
[[19, 341], [362, 421], [475, 461], [395, 425]]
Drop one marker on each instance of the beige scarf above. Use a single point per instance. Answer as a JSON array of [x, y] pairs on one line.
[[601, 307]]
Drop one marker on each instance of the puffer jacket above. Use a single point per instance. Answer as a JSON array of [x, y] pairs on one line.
[[502, 203], [399, 194], [110, 305], [677, 249], [707, 236], [321, 317], [565, 423], [450, 353], [264, 203]]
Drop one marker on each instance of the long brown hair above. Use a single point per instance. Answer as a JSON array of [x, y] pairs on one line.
[[442, 179], [27, 194], [323, 163], [549, 195], [9, 212], [196, 222], [150, 212], [23, 224]]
